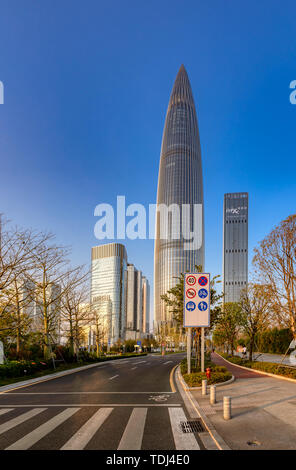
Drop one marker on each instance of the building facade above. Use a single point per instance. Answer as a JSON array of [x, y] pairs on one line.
[[146, 305], [179, 182], [235, 245], [108, 266]]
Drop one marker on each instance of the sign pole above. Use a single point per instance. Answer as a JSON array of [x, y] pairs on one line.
[[202, 349], [188, 350]]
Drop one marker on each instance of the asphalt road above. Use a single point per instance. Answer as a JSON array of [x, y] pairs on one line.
[[128, 404]]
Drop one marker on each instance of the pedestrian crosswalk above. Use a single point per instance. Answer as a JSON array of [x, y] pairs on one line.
[[140, 428]]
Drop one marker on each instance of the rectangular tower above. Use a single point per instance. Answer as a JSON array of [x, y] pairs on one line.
[[108, 268], [235, 245]]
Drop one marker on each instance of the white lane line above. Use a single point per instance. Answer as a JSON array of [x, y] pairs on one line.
[[82, 437], [98, 405], [168, 362], [82, 393], [30, 439], [183, 441], [133, 368], [2, 412], [140, 362], [20, 419], [114, 376], [133, 433]]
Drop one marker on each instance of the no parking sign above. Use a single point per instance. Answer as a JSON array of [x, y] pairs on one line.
[[196, 300]]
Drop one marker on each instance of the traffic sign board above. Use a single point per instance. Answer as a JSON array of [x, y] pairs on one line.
[[196, 301]]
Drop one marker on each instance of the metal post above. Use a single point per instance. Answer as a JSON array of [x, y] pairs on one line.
[[213, 394], [188, 350], [204, 389], [227, 408], [202, 349]]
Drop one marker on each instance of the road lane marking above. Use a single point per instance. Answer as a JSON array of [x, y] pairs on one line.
[[82, 437], [173, 388], [140, 362], [2, 412], [114, 376], [81, 393], [133, 368], [20, 419], [168, 362], [30, 439], [183, 441], [98, 405], [133, 433]]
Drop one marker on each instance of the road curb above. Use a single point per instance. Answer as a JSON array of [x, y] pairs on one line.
[[45, 378], [279, 377], [218, 440]]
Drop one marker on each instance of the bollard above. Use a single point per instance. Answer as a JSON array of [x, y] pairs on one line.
[[204, 387], [227, 408], [213, 394]]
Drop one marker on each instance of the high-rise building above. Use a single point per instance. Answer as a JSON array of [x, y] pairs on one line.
[[131, 298], [108, 268], [179, 182], [134, 303], [235, 245], [146, 304]]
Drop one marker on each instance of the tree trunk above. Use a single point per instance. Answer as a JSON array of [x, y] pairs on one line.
[[251, 346]]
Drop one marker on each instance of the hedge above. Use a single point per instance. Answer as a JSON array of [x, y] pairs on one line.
[[218, 374], [28, 368], [195, 379]]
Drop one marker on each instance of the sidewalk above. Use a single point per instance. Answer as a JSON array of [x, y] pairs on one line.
[[263, 410]]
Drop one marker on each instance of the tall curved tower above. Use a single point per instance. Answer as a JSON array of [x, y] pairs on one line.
[[179, 182]]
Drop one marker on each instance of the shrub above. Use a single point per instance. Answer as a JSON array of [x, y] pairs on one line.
[[195, 379]]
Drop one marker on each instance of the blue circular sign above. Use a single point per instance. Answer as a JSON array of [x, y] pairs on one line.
[[190, 306], [203, 280], [202, 306], [203, 293]]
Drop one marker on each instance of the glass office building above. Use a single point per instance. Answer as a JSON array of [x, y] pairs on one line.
[[108, 266], [179, 182], [235, 245]]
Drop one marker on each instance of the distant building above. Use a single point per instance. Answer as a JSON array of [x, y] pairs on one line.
[[146, 304], [108, 266], [134, 303], [235, 245]]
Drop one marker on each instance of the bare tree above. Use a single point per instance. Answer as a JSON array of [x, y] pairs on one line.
[[75, 310], [275, 263], [49, 271], [255, 304]]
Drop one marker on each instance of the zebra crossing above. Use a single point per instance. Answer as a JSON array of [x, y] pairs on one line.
[[38, 428]]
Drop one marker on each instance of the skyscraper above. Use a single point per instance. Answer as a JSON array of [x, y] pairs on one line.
[[179, 182], [146, 304], [235, 245], [108, 266]]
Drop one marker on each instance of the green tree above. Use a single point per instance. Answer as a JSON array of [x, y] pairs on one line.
[[228, 325]]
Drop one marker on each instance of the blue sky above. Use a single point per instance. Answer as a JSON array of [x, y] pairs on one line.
[[86, 90]]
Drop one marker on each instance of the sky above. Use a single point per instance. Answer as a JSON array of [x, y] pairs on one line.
[[86, 88]]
